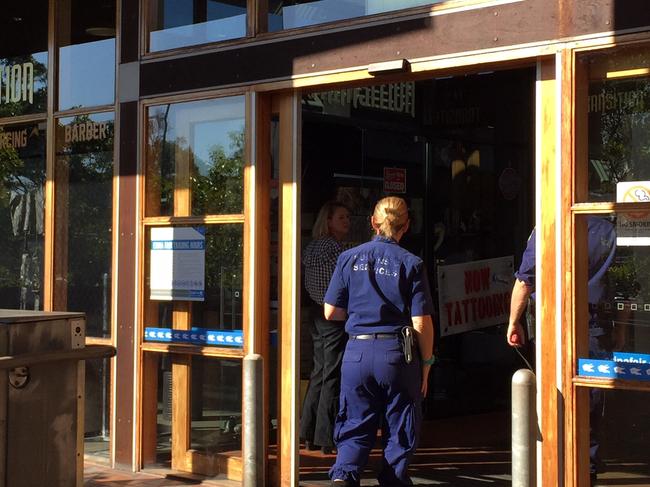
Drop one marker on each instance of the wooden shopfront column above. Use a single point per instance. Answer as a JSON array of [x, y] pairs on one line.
[[289, 270], [125, 287], [549, 220]]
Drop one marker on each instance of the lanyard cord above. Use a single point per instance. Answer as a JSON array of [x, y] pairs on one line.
[[524, 359]]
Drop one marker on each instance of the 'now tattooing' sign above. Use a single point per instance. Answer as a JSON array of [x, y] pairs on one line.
[[474, 294]]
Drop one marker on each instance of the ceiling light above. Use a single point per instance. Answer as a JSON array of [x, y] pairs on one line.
[[628, 73], [101, 31]]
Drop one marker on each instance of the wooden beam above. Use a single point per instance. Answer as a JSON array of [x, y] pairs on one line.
[[568, 135], [149, 407], [576, 398], [289, 276], [546, 268], [257, 243], [124, 288], [262, 257], [181, 428], [50, 154], [61, 232]]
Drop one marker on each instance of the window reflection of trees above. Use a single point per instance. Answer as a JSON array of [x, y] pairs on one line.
[[221, 189], [160, 160], [619, 147], [90, 168], [223, 276], [22, 177], [15, 108], [619, 151], [217, 188]]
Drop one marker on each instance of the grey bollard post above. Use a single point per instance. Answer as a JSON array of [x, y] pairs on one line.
[[524, 427], [254, 464]]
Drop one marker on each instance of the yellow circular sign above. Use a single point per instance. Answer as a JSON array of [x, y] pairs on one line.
[[637, 194]]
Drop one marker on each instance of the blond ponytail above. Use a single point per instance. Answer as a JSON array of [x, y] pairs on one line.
[[390, 216]]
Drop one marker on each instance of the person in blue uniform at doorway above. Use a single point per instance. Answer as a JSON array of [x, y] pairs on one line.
[[382, 292], [603, 335]]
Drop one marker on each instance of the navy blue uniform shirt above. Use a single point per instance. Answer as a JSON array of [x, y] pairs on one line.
[[601, 248], [381, 285]]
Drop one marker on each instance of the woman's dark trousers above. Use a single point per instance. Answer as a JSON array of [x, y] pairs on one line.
[[321, 404]]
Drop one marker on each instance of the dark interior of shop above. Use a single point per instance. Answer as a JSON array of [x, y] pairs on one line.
[[460, 150]]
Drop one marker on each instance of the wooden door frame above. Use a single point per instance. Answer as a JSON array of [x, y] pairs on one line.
[[574, 136], [289, 109], [256, 235], [548, 234]]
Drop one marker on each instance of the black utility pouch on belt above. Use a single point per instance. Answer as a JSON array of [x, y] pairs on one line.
[[408, 341]]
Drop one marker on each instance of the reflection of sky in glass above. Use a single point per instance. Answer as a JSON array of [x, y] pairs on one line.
[[209, 135], [87, 74], [321, 11], [177, 12], [179, 28], [210, 123]]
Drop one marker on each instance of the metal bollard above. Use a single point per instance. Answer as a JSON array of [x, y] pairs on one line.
[[524, 427], [254, 461]]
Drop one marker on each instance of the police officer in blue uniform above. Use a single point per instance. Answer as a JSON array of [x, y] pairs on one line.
[[383, 292], [603, 337]]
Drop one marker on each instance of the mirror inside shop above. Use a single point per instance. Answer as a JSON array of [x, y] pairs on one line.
[[460, 151]]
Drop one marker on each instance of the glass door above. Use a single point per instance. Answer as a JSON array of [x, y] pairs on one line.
[[611, 288], [194, 319]]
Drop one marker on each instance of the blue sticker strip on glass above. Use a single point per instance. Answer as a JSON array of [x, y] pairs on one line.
[[613, 370], [196, 336], [631, 358]]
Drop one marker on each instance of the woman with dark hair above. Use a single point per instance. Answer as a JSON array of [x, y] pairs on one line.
[[319, 258]]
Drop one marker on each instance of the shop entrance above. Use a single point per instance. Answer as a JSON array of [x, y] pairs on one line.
[[460, 150]]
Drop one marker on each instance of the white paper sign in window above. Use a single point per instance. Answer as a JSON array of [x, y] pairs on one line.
[[177, 264]]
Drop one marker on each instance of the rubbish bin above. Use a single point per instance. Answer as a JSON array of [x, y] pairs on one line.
[[42, 397]]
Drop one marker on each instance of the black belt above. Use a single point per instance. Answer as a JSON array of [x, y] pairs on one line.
[[373, 336]]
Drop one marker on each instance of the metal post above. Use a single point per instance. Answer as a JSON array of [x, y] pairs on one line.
[[524, 426], [254, 468]]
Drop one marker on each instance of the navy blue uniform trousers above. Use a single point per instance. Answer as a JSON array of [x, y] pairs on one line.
[[377, 388]]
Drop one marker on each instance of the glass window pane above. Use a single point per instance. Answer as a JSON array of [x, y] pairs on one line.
[[290, 14], [23, 58], [162, 456], [216, 405], [222, 308], [86, 42], [618, 291], [619, 437], [84, 217], [199, 145], [97, 404], [22, 183], [179, 23], [618, 107]]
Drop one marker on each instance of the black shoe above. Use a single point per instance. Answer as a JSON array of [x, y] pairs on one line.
[[309, 445], [327, 450], [593, 478]]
